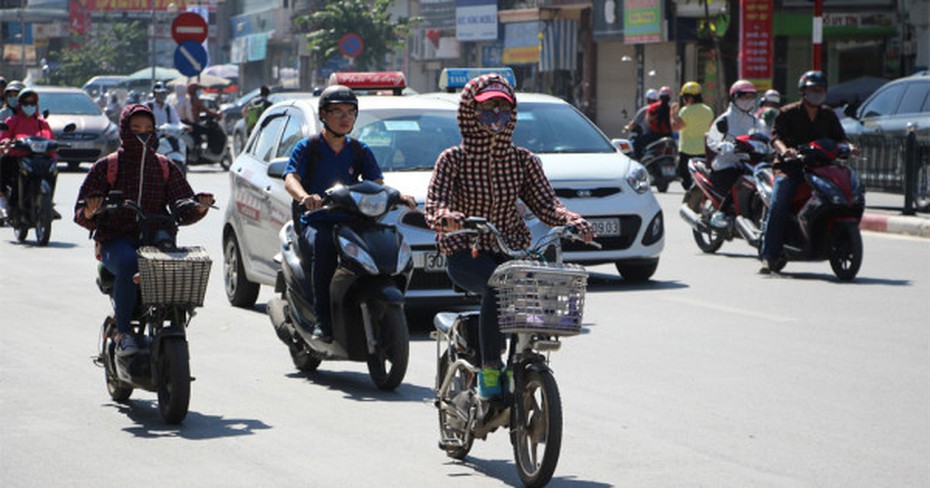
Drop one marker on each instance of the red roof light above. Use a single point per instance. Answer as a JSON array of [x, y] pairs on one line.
[[381, 80]]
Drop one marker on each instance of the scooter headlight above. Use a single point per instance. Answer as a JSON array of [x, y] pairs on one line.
[[831, 193], [357, 254], [38, 147], [404, 255], [372, 205], [638, 178]]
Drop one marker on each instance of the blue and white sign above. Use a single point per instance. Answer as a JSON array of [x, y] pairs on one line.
[[475, 20], [190, 58]]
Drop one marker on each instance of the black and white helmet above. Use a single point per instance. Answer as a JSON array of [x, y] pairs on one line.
[[337, 94]]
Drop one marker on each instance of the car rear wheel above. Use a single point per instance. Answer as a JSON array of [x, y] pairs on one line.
[[239, 290], [637, 272]]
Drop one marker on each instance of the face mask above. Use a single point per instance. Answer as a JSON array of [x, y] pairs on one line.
[[745, 105], [144, 138], [30, 110], [12, 101], [493, 120], [815, 98]]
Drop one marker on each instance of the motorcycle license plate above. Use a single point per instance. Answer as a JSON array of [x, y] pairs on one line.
[[605, 227], [668, 171], [430, 261]]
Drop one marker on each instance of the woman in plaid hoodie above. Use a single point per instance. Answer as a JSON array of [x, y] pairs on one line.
[[483, 177]]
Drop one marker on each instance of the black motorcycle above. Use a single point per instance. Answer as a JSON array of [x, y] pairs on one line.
[[661, 161], [32, 196], [173, 281], [367, 290], [211, 147]]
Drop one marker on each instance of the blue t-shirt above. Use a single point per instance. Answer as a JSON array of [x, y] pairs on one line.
[[332, 168]]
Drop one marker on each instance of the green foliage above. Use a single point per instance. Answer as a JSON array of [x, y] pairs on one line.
[[367, 18], [117, 48]]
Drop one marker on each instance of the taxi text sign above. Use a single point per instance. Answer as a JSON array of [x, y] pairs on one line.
[[475, 20]]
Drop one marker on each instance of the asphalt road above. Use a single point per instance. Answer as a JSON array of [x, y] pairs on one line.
[[711, 375]]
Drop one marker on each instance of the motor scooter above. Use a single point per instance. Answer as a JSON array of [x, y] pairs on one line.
[[32, 195], [211, 148], [367, 290], [703, 199], [172, 283], [171, 144], [661, 161], [825, 209]]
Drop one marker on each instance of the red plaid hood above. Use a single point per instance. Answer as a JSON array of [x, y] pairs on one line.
[[131, 147], [474, 138]]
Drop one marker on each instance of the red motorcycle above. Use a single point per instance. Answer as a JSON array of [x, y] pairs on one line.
[[825, 210], [704, 198]]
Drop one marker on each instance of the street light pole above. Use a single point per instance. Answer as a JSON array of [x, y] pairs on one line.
[[22, 36]]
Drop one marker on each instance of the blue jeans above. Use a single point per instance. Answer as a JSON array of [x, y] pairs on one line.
[[119, 258], [325, 260], [472, 274], [774, 236]]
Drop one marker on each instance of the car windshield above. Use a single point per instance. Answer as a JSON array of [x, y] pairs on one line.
[[68, 104], [407, 139], [557, 128]]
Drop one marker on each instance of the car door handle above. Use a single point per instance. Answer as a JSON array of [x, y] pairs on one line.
[[268, 188]]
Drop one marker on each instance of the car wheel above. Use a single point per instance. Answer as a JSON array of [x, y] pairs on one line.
[[637, 272], [238, 143], [239, 290]]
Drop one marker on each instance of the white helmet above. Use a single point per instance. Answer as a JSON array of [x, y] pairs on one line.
[[771, 96], [652, 94]]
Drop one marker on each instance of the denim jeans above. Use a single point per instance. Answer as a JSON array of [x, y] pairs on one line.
[[325, 260], [472, 274], [777, 218], [119, 258]]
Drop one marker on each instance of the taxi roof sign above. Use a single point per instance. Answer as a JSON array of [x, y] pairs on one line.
[[375, 80], [452, 79]]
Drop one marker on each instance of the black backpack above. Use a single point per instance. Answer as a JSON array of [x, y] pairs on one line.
[[314, 147]]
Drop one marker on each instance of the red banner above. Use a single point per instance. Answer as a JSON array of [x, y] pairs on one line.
[[80, 18], [755, 39], [133, 5]]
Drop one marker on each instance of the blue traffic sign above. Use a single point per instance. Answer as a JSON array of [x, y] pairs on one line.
[[190, 58]]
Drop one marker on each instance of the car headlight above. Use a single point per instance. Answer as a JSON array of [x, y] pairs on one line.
[[372, 205], [358, 255], [404, 255], [111, 131], [638, 178]]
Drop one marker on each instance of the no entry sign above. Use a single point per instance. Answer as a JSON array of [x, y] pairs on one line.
[[189, 26], [351, 45]]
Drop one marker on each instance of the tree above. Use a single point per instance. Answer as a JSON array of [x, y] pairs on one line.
[[369, 19], [117, 48]]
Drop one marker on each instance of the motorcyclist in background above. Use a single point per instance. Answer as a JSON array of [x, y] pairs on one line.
[[770, 103], [26, 122], [10, 99], [691, 120], [192, 108], [798, 123], [164, 113], [255, 108], [737, 120], [637, 127]]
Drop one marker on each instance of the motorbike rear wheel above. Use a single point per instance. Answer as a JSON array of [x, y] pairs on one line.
[[536, 428], [455, 426], [846, 251], [44, 220], [174, 380], [118, 390], [388, 365]]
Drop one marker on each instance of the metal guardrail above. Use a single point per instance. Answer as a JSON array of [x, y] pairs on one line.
[[894, 164]]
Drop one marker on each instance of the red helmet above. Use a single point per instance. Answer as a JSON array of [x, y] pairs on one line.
[[742, 86], [665, 92]]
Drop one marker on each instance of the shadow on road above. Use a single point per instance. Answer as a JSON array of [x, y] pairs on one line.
[[859, 280], [196, 426], [358, 386], [505, 471], [602, 282]]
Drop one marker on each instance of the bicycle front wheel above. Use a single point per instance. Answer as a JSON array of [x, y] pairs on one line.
[[536, 431]]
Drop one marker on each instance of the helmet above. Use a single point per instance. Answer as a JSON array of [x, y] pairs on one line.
[[336, 94], [771, 96], [691, 88], [652, 94], [159, 87], [665, 92], [742, 86], [812, 78], [14, 85], [27, 92]]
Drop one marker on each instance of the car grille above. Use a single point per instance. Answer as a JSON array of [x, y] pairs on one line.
[[73, 136], [83, 155], [629, 229], [586, 192]]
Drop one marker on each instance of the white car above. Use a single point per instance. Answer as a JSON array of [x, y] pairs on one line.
[[406, 134]]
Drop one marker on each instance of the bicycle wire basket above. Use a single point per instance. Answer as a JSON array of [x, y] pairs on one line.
[[540, 298], [175, 277]]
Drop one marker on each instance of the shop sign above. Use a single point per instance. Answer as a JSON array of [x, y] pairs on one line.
[[642, 21], [476, 20], [521, 42], [755, 40]]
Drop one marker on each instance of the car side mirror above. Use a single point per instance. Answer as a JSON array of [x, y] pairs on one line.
[[276, 169], [623, 145]]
